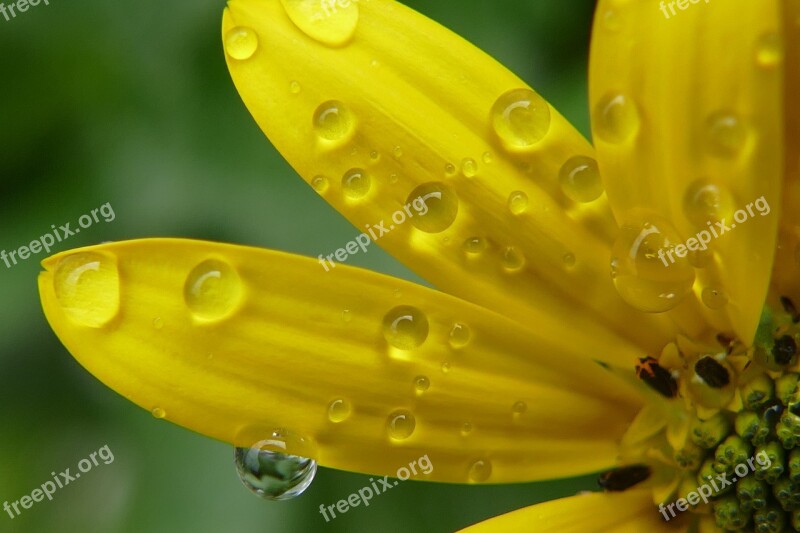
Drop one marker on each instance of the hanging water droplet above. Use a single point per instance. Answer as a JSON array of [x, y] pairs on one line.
[[520, 118], [294, 87], [442, 207], [714, 298], [460, 335], [705, 202], [421, 384], [405, 327], [649, 265], [580, 179], [241, 43], [769, 50], [320, 184], [479, 471], [517, 202], [513, 260], [469, 167], [333, 121], [87, 287], [475, 245], [158, 412], [331, 23], [725, 134], [212, 290], [339, 410], [400, 424], [271, 474], [615, 118], [356, 183]]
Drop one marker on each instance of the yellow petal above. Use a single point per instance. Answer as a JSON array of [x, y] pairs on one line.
[[631, 511], [687, 120], [402, 108], [233, 342]]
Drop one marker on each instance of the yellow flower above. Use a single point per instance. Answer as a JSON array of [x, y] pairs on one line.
[[671, 244]]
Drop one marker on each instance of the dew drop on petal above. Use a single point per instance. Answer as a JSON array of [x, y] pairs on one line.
[[469, 167], [725, 134], [212, 290], [479, 471], [569, 259], [445, 367], [331, 23], [615, 118], [400, 424], [441, 203], [397, 151], [87, 287], [580, 180], [450, 169], [270, 473], [487, 157], [241, 43], [714, 298], [158, 412], [520, 118], [460, 335], [513, 260], [643, 273], [421, 384], [339, 410], [704, 201], [519, 407], [158, 322], [517, 202], [333, 121], [475, 245], [294, 87], [466, 429], [320, 184], [356, 183], [405, 327]]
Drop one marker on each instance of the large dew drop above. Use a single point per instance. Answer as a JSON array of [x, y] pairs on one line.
[[241, 43], [520, 118], [401, 424], [649, 263], [272, 474], [405, 327], [331, 23], [87, 287], [615, 118], [333, 121], [212, 290], [580, 179], [439, 210]]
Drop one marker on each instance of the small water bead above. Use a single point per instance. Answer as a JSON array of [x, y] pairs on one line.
[[339, 410], [401, 424], [479, 471], [405, 327], [519, 407], [271, 474], [442, 204], [513, 260], [769, 50], [487, 157], [158, 322], [331, 23], [466, 429], [569, 259], [450, 169], [615, 118], [641, 268], [705, 202], [397, 151], [294, 87], [445, 367], [469, 167], [520, 118], [356, 183], [517, 202], [158, 413], [460, 335], [333, 121], [725, 134], [347, 316], [397, 293], [421, 384], [393, 178], [212, 290], [374, 155], [714, 298], [580, 180], [320, 184], [475, 245], [241, 43], [87, 287]]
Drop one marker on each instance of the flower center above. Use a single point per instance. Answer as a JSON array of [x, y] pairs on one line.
[[721, 435]]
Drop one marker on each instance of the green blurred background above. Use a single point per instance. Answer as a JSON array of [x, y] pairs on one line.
[[131, 103]]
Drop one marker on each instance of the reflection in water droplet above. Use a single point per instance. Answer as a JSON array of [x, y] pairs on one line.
[[87, 287], [333, 121], [339, 410], [241, 43], [714, 298], [331, 23], [421, 384], [580, 179], [517, 202], [475, 245], [271, 474], [405, 327], [442, 204], [466, 429], [397, 151], [479, 471], [520, 118], [158, 412], [356, 183], [487, 157], [704, 201], [449, 169], [769, 50], [647, 269], [513, 259], [401, 424], [725, 134], [569, 259], [519, 407], [460, 335], [320, 184], [615, 118], [212, 290], [469, 167], [445, 367], [347, 315], [294, 87]]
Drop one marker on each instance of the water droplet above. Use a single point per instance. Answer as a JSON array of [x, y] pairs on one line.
[[333, 121], [466, 429], [158, 412], [339, 410], [405, 327], [520, 118], [714, 298], [212, 290], [615, 118], [294, 87], [356, 183], [513, 259], [705, 202], [769, 50], [725, 134], [569, 259], [421, 384], [469, 167], [475, 245], [479, 471], [320, 184], [393, 178], [580, 179], [460, 335], [331, 23], [445, 367], [401, 424], [442, 204], [487, 157], [347, 316], [158, 322], [241, 43], [449, 169], [87, 287], [272, 474], [397, 293], [374, 155], [517, 202], [519, 407], [642, 270]]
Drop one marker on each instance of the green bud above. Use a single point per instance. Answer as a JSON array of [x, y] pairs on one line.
[[746, 424], [794, 465], [708, 433], [786, 386], [752, 492], [729, 514], [776, 455], [731, 452], [690, 456], [787, 493], [758, 393], [769, 519]]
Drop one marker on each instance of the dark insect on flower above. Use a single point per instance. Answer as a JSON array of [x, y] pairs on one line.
[[656, 376], [714, 374], [623, 478]]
